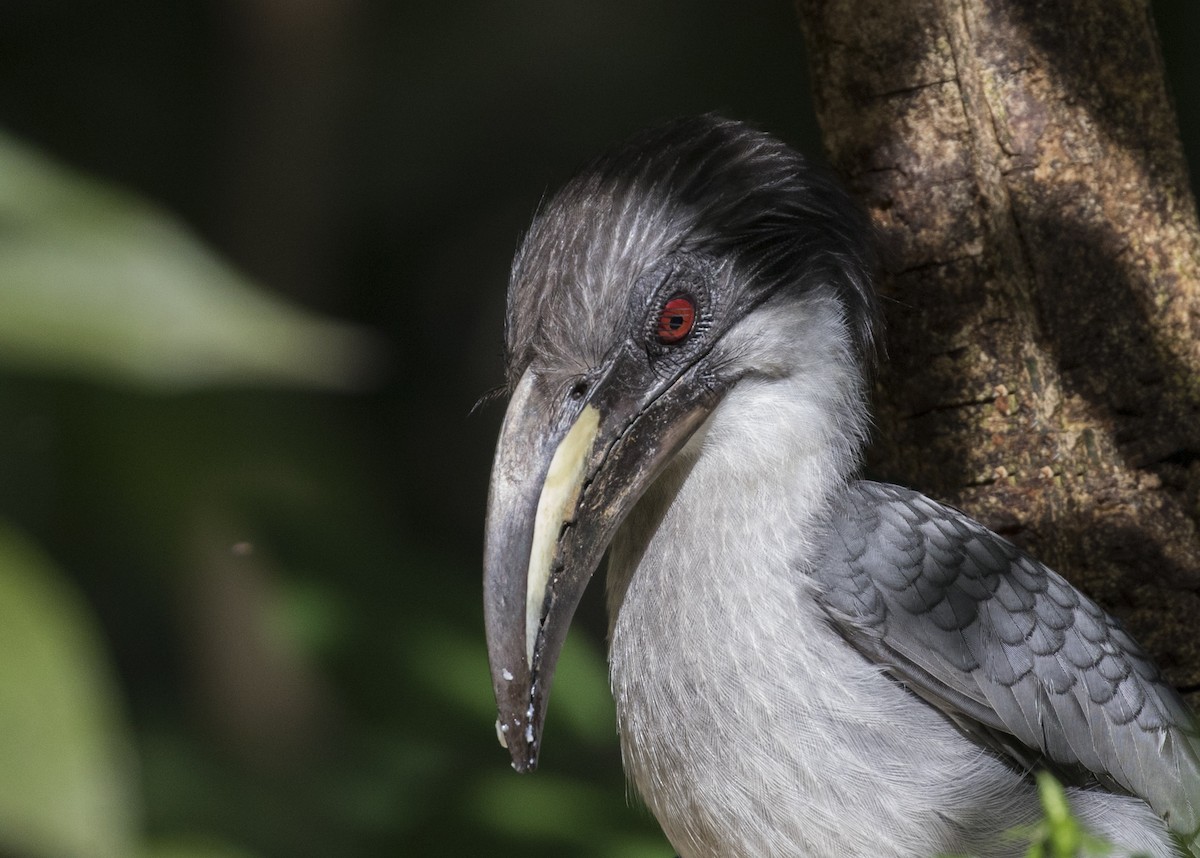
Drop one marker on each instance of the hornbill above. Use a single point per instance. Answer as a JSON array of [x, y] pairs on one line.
[[803, 663]]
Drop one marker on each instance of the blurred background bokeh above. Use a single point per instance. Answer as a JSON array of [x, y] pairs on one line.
[[252, 267]]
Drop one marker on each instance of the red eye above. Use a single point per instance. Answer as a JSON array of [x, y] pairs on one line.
[[676, 320]]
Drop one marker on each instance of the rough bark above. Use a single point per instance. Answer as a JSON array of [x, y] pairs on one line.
[[1041, 262]]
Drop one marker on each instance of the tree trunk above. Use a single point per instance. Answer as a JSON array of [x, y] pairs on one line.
[[1041, 262]]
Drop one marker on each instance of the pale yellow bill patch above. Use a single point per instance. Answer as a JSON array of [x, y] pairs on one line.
[[560, 492]]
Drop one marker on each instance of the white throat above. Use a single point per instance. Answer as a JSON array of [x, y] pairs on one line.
[[761, 471], [735, 698], [699, 600]]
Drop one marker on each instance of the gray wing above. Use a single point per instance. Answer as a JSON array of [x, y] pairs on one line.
[[1007, 647]]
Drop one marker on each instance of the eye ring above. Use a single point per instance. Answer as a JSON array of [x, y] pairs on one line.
[[676, 320]]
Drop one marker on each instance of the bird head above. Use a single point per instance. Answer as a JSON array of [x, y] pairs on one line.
[[688, 260]]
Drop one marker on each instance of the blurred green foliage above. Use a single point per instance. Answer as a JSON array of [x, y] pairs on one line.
[[289, 740], [100, 284], [66, 767], [241, 492]]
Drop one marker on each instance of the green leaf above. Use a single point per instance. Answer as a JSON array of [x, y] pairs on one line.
[[1059, 834], [66, 780], [98, 283]]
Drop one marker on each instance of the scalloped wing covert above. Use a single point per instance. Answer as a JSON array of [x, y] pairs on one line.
[[988, 634]]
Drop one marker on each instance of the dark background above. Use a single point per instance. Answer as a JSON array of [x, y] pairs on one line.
[[285, 581]]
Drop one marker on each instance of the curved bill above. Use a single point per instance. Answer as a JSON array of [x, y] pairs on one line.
[[573, 459]]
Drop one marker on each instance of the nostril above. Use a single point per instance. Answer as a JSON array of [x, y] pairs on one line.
[[579, 389]]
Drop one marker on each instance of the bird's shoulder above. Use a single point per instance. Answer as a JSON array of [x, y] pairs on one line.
[[1005, 646]]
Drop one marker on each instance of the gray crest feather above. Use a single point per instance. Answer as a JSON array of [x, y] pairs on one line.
[[701, 185]]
